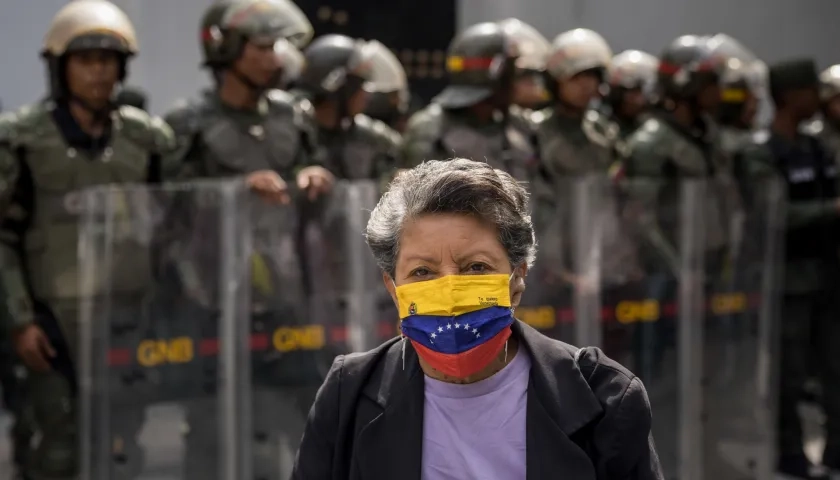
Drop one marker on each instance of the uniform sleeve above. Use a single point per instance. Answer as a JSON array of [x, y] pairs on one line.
[[182, 162], [16, 297], [642, 181], [418, 144], [316, 453]]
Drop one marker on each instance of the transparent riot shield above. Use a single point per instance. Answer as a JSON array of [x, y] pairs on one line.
[[740, 339], [325, 297], [642, 301], [160, 272], [547, 303]]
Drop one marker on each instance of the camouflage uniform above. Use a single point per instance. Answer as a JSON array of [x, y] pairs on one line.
[[357, 147], [436, 133], [217, 140], [46, 160], [481, 63]]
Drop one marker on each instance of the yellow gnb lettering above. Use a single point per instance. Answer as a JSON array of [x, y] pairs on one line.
[[631, 312], [729, 303], [289, 339], [153, 353], [538, 317]]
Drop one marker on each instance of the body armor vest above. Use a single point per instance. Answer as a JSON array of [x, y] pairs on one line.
[[233, 146], [570, 147], [58, 173], [360, 153], [504, 147]]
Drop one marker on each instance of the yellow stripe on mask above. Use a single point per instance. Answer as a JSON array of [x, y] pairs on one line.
[[454, 295]]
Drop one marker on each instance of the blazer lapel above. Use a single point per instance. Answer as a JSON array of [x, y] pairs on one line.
[[391, 445], [559, 404]]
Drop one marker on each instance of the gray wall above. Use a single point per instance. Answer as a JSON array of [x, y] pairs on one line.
[[167, 67], [168, 30], [773, 29]]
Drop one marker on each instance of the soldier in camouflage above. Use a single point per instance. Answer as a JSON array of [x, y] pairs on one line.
[[630, 81], [680, 141], [73, 140], [812, 269], [339, 75], [245, 124], [471, 117], [827, 127], [390, 101], [743, 89], [576, 67]]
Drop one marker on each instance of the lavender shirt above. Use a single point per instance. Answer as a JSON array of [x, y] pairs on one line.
[[477, 431]]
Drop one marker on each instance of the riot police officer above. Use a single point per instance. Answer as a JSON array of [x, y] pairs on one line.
[[827, 127], [73, 140], [245, 124], [812, 270], [630, 81], [338, 70], [471, 117], [576, 67], [743, 90], [391, 100], [529, 89]]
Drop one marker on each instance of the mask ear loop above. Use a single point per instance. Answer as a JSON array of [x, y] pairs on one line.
[[403, 352]]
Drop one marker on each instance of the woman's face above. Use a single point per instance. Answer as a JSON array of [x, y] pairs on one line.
[[436, 245]]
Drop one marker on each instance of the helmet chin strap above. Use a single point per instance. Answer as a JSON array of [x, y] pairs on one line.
[[256, 89]]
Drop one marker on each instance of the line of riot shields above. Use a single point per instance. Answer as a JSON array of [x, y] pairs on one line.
[[210, 318]]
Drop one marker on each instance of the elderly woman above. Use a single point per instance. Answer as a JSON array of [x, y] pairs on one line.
[[468, 392]]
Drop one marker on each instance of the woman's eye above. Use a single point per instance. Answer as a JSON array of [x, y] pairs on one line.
[[478, 268], [420, 272]]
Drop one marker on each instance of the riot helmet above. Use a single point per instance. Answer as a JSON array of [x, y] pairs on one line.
[[338, 68], [389, 96], [529, 87], [577, 51], [687, 67], [229, 24], [631, 79], [576, 67], [230, 28], [291, 63], [743, 82], [480, 64], [84, 26]]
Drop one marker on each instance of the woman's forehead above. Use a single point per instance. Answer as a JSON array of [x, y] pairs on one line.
[[449, 236]]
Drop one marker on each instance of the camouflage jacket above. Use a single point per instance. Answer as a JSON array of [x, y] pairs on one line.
[[436, 134]]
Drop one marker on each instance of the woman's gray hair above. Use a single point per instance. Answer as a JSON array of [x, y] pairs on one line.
[[453, 186]]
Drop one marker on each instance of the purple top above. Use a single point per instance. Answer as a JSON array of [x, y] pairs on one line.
[[477, 431]]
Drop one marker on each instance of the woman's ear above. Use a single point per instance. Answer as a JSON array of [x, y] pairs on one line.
[[391, 287], [517, 285]]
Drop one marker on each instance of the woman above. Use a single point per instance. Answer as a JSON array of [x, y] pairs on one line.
[[468, 392]]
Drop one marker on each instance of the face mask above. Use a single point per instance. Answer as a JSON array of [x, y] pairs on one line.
[[458, 324]]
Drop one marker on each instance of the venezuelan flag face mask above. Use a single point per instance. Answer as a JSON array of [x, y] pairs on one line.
[[458, 324]]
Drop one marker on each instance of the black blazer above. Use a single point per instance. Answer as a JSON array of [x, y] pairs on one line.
[[588, 418]]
